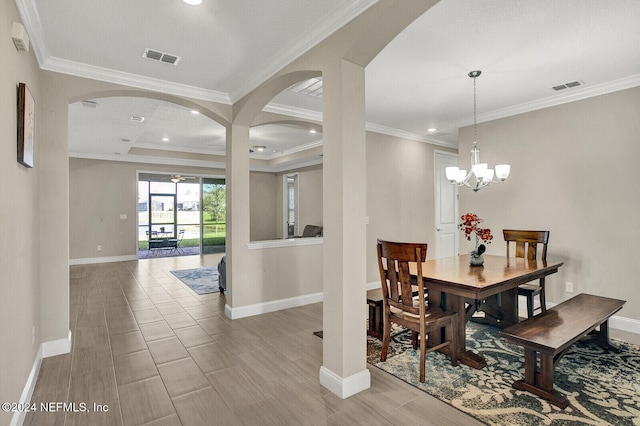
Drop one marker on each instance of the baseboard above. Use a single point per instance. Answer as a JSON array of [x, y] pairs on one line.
[[347, 386], [56, 347], [47, 349], [272, 306], [27, 392], [90, 260]]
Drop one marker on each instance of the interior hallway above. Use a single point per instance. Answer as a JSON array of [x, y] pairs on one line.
[[155, 353]]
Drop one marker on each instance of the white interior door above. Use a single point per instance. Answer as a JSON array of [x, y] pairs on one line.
[[446, 204]]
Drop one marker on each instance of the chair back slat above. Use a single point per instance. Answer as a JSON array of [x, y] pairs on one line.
[[393, 262], [526, 243]]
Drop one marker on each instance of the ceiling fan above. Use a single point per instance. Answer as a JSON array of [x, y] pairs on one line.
[[179, 178]]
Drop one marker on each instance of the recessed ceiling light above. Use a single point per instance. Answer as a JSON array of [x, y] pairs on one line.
[[165, 139], [136, 119], [432, 130], [195, 111], [192, 2], [313, 131]]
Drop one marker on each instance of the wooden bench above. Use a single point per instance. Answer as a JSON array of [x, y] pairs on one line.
[[376, 321], [551, 333]]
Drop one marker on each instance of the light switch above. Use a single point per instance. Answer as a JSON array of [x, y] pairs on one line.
[[123, 216]]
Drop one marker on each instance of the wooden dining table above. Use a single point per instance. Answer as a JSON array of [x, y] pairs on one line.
[[457, 286]]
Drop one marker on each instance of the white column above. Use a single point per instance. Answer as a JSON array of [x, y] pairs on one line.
[[344, 370], [238, 220]]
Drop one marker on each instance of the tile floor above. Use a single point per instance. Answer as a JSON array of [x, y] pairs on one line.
[[148, 351]]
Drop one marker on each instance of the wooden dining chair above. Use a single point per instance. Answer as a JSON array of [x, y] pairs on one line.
[[526, 246], [400, 306]]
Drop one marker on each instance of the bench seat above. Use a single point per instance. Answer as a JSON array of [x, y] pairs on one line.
[[550, 334]]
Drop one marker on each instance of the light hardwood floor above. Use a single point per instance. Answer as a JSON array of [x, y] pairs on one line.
[[155, 353]]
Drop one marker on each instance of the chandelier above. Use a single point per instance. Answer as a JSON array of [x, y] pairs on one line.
[[480, 174]]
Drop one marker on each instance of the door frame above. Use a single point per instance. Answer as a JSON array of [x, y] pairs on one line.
[[439, 179]]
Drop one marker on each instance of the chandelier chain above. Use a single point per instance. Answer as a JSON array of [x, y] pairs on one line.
[[475, 132]]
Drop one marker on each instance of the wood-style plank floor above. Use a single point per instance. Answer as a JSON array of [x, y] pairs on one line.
[[152, 352]]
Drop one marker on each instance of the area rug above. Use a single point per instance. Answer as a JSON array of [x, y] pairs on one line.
[[200, 280], [603, 388]]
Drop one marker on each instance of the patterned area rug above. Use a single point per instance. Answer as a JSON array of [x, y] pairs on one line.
[[200, 280], [603, 388]]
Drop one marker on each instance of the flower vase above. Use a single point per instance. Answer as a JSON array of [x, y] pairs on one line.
[[476, 259]]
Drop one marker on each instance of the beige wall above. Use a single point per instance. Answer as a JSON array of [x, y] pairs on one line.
[[573, 172], [263, 206], [100, 191], [400, 193], [310, 198], [20, 256]]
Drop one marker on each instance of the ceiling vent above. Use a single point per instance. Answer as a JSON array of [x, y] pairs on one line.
[[161, 56], [310, 87], [136, 119], [568, 85]]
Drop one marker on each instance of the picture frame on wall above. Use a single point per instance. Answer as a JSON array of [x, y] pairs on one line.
[[26, 125]]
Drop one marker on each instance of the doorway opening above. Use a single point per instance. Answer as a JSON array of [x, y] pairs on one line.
[[180, 215]]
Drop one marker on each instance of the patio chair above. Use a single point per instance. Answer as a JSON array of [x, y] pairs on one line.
[[174, 243]]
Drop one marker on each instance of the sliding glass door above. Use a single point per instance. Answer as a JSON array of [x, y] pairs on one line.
[[214, 219], [194, 206]]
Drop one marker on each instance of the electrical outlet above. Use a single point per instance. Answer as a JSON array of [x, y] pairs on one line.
[[568, 287], [99, 248]]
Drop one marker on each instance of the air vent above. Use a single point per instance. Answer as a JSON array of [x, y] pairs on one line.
[[156, 55], [136, 119], [89, 104], [310, 87], [568, 85]]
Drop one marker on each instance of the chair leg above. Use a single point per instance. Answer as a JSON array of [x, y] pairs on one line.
[[423, 354], [386, 337], [530, 305], [543, 300]]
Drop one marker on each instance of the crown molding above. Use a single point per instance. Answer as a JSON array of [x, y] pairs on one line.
[[336, 20], [303, 113], [31, 20], [377, 128], [104, 74], [125, 158], [307, 114], [562, 98]]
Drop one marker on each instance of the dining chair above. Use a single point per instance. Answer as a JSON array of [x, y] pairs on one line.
[[400, 306], [526, 246]]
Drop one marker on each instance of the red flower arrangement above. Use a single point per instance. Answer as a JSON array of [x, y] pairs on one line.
[[470, 224]]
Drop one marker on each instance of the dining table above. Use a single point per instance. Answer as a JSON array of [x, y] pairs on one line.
[[457, 286]]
